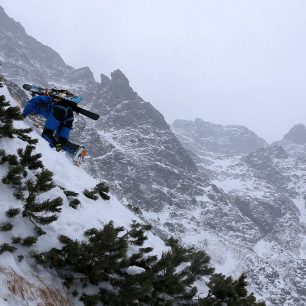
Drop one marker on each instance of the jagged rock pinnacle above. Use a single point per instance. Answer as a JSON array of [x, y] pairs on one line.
[[120, 86], [105, 80]]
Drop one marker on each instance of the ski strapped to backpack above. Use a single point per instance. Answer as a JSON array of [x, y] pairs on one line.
[[62, 94]]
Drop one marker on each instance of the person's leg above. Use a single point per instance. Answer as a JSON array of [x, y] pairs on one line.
[[63, 136], [64, 130], [50, 127], [76, 152]]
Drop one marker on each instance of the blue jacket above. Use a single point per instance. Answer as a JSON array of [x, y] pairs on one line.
[[39, 105], [59, 116]]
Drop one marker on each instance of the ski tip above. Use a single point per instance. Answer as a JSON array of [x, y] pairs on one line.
[[78, 99], [27, 86]]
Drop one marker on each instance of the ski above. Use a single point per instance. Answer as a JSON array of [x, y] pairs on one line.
[[86, 113], [53, 92], [64, 95]]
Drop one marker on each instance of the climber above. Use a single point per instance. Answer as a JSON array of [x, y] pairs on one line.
[[59, 117]]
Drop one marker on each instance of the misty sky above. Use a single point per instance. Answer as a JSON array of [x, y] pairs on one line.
[[225, 61]]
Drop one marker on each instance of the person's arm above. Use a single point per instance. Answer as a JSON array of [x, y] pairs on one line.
[[33, 104]]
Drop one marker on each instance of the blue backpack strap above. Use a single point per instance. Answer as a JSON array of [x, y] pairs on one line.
[[64, 108]]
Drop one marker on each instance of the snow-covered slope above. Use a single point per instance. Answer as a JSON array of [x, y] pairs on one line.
[[25, 283]]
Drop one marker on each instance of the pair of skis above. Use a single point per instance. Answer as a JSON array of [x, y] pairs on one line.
[[63, 95]]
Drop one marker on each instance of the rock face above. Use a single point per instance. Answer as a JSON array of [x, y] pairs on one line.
[[120, 86], [23, 57], [105, 80], [230, 139], [243, 210]]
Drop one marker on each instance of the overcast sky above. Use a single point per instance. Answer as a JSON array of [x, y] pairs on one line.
[[225, 61]]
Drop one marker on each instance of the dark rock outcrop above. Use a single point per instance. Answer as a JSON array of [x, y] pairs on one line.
[[105, 80], [120, 86]]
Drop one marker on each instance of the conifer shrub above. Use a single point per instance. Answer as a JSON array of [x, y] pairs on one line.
[[33, 162], [8, 114], [69, 193], [33, 209], [10, 158], [100, 189], [6, 227], [38, 230], [16, 240], [104, 258], [74, 203], [90, 194], [12, 212], [29, 241], [5, 247], [226, 291], [14, 176]]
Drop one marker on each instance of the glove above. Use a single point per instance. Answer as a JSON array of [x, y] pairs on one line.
[[58, 147]]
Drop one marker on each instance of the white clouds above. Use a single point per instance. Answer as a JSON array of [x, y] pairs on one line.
[[227, 61]]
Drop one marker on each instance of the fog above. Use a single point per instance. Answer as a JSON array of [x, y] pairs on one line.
[[227, 62]]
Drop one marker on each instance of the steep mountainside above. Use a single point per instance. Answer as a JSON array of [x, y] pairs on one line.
[[23, 59], [135, 151]]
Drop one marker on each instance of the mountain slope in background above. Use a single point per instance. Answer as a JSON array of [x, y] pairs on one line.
[[217, 138], [204, 193], [268, 187]]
